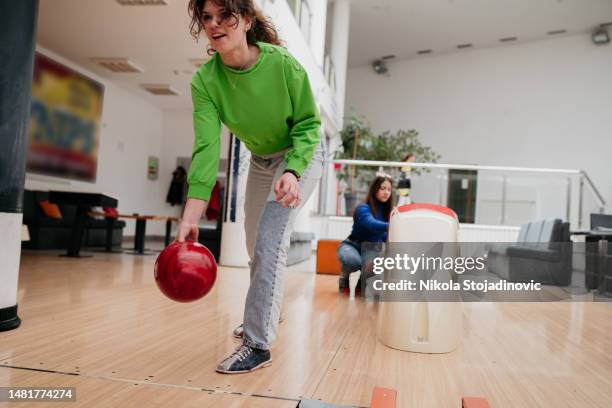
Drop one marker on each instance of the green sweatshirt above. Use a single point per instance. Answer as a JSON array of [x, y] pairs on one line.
[[269, 107]]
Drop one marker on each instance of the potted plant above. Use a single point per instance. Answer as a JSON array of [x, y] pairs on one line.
[[360, 143], [354, 137]]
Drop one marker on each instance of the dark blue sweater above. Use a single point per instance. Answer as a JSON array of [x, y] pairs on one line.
[[368, 228]]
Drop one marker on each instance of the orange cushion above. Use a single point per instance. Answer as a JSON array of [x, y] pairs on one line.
[[327, 259], [50, 210]]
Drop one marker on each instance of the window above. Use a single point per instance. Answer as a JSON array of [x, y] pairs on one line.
[[330, 72], [303, 16], [305, 20], [293, 6]]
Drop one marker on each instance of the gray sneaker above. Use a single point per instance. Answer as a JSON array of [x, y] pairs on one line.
[[238, 331], [245, 359]]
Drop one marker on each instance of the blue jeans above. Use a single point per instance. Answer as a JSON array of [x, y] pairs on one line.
[[268, 226], [350, 259], [353, 257]]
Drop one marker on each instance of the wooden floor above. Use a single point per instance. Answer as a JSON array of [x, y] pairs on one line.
[[100, 324]]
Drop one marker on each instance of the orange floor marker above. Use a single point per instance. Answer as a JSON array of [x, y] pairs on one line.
[[383, 398], [474, 402]]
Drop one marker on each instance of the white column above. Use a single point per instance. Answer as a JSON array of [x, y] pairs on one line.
[[233, 237], [10, 254], [339, 48]]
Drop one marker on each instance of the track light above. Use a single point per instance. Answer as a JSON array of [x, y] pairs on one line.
[[379, 67]]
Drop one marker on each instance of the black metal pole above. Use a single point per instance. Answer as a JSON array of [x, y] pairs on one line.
[[17, 45]]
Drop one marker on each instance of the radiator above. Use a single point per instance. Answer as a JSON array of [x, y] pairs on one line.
[[487, 233]]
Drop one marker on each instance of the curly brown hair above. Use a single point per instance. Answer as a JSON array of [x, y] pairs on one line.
[[261, 29]]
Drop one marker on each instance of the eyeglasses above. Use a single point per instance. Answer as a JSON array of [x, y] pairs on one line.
[[226, 17]]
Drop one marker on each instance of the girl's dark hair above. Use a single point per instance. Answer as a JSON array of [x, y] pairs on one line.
[[261, 29], [372, 201]]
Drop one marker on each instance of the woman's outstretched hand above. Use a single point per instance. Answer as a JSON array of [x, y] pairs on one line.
[[188, 228], [287, 189], [187, 232]]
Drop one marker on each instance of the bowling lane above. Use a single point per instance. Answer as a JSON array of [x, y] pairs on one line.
[[104, 392], [515, 354], [105, 316]]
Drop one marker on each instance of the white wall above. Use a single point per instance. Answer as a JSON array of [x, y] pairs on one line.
[[319, 22], [131, 131], [540, 104]]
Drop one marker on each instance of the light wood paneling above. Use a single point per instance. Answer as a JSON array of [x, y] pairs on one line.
[[104, 319], [98, 392]]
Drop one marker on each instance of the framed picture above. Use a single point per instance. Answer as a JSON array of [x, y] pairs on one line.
[[64, 123], [153, 168]]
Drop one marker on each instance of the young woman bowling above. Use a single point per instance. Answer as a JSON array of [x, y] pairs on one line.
[[262, 94]]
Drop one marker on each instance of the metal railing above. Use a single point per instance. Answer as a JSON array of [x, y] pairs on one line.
[[555, 185]]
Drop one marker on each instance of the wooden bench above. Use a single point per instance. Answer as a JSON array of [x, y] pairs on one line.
[[141, 225]]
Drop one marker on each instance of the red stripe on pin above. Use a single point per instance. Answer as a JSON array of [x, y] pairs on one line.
[[431, 207]]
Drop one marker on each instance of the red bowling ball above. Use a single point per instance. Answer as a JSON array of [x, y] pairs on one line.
[[185, 271]]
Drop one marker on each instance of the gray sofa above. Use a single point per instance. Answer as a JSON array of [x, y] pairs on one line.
[[51, 233], [542, 253], [300, 247]]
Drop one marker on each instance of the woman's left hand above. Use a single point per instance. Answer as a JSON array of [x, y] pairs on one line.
[[287, 189]]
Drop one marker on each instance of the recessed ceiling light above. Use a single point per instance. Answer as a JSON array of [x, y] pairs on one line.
[[557, 32], [197, 62], [142, 2], [159, 89], [117, 65], [508, 39]]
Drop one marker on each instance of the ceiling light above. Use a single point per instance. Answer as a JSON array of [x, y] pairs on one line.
[[557, 32], [462, 46], [118, 65], [162, 89], [379, 67], [424, 52], [600, 37], [198, 62], [142, 2], [507, 39]]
